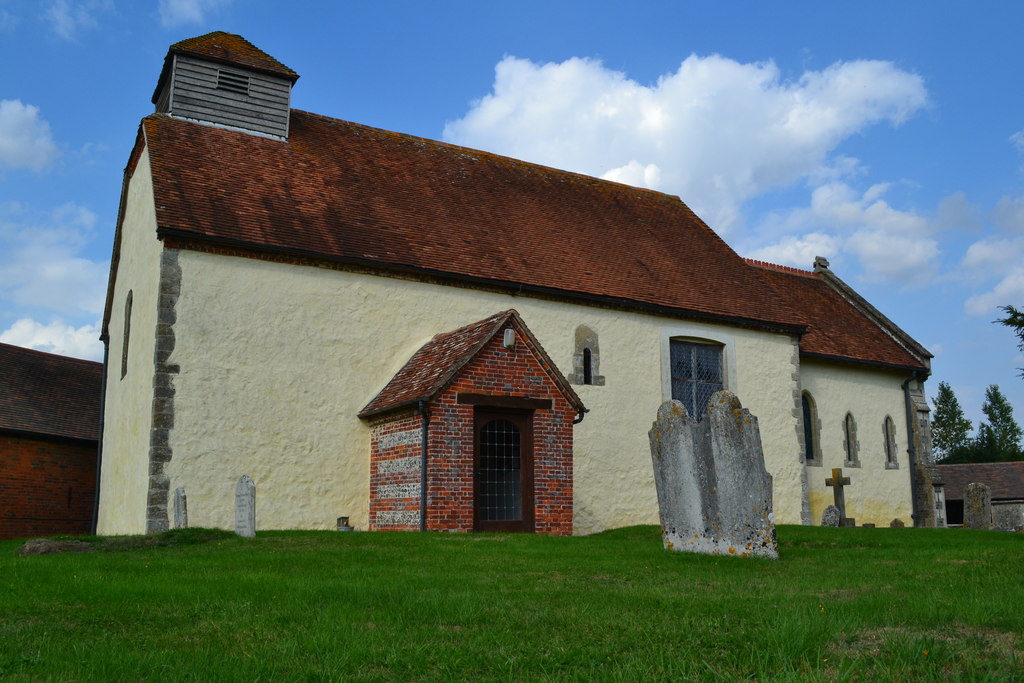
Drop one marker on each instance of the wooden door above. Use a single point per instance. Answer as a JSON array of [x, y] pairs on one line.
[[503, 470]]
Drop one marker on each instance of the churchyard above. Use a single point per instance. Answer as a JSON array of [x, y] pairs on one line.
[[838, 604]]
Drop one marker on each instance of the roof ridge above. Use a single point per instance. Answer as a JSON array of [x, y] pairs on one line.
[[767, 265], [588, 179], [260, 59], [25, 349]]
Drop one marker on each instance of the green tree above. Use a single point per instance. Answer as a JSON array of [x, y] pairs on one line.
[[1001, 436], [951, 431], [1014, 320]]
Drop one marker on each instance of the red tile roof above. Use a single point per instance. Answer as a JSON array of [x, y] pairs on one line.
[[346, 192], [836, 328], [49, 395], [232, 48], [436, 363], [1006, 479]]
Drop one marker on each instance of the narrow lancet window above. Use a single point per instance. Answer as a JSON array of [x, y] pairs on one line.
[[127, 333]]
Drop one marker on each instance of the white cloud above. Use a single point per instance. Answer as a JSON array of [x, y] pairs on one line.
[[1009, 290], [1008, 214], [25, 138], [68, 17], [635, 173], [1018, 140], [998, 258], [174, 13], [41, 265], [891, 245], [56, 337], [717, 132], [799, 251]]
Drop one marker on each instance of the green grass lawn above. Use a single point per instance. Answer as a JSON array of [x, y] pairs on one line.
[[839, 604]]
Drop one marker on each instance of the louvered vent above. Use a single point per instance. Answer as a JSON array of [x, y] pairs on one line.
[[232, 82]]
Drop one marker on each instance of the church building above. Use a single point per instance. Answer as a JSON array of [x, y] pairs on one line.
[[416, 335]]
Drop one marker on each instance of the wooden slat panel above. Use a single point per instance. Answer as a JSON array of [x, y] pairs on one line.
[[226, 109]]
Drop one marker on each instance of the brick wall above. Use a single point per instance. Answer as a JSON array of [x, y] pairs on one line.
[[494, 371], [46, 487], [397, 448]]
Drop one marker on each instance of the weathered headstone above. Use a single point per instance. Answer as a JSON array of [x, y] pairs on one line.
[[977, 506], [837, 481], [897, 523], [714, 493], [180, 509], [831, 516], [245, 507]]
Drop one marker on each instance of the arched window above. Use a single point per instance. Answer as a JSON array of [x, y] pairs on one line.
[[891, 452], [850, 444], [127, 333], [812, 441], [586, 358]]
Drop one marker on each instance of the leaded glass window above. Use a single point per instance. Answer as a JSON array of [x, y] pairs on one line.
[[696, 374], [499, 475]]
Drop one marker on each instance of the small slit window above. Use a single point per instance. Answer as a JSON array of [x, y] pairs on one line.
[[127, 333], [586, 358], [232, 82], [812, 446], [851, 445], [889, 434]]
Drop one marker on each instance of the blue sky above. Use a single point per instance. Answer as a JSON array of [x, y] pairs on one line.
[[888, 137]]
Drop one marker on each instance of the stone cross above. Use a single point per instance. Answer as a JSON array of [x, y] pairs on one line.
[[180, 509], [714, 493], [245, 507], [837, 481]]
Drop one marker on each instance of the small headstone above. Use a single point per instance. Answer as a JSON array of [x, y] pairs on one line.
[[977, 506], [831, 516], [180, 509], [714, 493], [869, 525], [897, 524], [245, 507]]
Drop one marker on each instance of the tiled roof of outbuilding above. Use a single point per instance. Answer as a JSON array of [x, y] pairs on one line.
[[1005, 479], [437, 362], [50, 395], [836, 327], [342, 191]]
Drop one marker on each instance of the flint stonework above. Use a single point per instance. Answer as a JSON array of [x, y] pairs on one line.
[[714, 493], [831, 516], [245, 507], [180, 509], [978, 506]]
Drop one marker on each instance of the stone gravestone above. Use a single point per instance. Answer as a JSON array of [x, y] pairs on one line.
[[180, 509], [831, 516], [977, 506], [714, 493], [837, 481], [245, 507]]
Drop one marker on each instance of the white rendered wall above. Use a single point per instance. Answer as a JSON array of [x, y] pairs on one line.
[[276, 361], [875, 494], [124, 471]]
